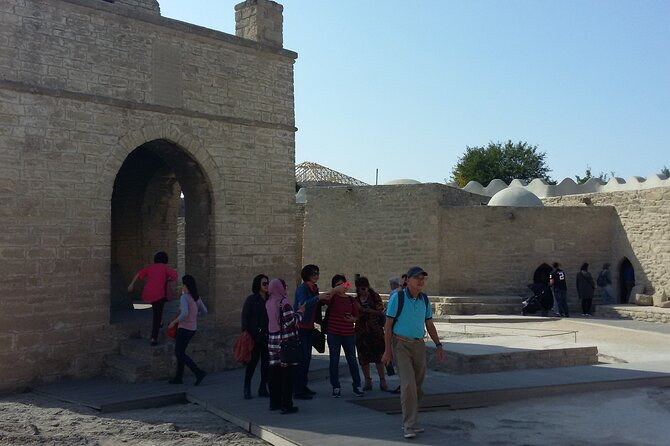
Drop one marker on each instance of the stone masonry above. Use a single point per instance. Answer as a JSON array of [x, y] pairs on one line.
[[470, 249], [106, 107]]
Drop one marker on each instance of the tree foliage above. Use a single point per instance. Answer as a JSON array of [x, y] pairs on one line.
[[665, 171], [497, 160], [602, 176]]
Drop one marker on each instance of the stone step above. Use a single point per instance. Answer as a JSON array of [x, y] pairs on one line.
[[441, 309], [127, 369]]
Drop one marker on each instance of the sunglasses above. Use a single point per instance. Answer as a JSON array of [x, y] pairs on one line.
[[264, 283]]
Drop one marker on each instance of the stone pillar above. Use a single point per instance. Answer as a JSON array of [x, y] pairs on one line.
[[260, 20]]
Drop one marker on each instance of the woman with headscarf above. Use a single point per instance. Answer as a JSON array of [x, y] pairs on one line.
[[585, 289], [282, 326]]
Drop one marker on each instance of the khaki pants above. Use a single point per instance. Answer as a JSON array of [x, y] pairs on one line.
[[411, 362]]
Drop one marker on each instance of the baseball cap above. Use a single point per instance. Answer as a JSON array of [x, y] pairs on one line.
[[416, 271]]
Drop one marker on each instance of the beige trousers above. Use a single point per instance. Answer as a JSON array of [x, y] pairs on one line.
[[411, 362]]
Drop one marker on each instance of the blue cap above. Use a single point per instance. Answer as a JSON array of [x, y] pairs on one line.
[[416, 271]]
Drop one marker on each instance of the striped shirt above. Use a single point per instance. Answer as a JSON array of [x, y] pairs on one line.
[[288, 322]]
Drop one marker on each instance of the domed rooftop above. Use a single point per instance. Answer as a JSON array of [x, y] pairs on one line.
[[515, 196], [402, 181]]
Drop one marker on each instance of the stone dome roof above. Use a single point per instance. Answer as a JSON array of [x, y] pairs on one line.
[[402, 181], [515, 196]]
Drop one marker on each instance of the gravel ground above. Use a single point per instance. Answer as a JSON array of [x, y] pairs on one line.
[[31, 419]]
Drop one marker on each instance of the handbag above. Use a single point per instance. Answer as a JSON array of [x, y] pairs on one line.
[[171, 332], [318, 341], [243, 347], [289, 346]]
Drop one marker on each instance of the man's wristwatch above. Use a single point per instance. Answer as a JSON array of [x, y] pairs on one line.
[[438, 344]]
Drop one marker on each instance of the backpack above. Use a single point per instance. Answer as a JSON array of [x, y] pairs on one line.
[[401, 303], [602, 279]]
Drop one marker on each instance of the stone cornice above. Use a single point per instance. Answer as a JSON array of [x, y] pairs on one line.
[[22, 87]]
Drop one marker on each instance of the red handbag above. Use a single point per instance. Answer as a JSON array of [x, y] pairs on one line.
[[243, 347], [171, 332]]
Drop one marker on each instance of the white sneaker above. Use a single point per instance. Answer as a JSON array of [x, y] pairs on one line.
[[409, 434]]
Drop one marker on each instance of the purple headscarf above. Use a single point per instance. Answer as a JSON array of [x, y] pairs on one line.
[[277, 293]]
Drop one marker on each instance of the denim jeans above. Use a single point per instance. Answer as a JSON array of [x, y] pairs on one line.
[[348, 343], [300, 377], [183, 338], [562, 301]]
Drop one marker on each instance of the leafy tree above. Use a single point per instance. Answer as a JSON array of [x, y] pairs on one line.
[[665, 171], [497, 160], [587, 176]]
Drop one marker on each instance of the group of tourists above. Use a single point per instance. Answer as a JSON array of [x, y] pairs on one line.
[[283, 333], [586, 287], [356, 324]]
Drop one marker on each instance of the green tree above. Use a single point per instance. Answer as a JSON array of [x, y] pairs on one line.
[[497, 160], [665, 171], [588, 175]]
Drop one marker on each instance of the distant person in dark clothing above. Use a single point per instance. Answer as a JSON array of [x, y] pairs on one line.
[[604, 283], [255, 322], [585, 289], [560, 289]]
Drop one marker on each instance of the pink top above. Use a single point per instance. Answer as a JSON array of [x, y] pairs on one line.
[[156, 274], [188, 312]]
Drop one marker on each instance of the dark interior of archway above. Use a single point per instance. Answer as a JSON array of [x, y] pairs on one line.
[[146, 206]]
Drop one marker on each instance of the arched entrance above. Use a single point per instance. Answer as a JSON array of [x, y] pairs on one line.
[[161, 202], [626, 280]]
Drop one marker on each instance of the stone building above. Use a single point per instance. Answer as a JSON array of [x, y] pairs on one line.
[[470, 248], [108, 114]]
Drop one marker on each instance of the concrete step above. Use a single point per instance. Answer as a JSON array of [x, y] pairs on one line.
[[127, 369], [440, 309]]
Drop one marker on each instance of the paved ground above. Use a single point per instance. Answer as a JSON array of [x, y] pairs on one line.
[[623, 401]]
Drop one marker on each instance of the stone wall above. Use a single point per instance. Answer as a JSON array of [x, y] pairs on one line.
[[496, 250], [641, 232], [377, 231], [78, 95]]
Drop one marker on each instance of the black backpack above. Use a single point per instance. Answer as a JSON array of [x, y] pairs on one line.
[[401, 303]]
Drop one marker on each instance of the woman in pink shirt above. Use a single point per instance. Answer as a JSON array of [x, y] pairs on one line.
[[157, 289], [190, 304]]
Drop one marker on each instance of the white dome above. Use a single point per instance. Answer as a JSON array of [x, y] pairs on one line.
[[402, 181], [515, 196]]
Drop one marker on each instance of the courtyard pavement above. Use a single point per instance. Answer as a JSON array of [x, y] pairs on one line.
[[460, 409]]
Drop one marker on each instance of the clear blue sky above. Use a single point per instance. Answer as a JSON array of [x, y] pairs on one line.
[[405, 85]]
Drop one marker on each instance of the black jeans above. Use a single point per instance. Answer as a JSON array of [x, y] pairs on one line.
[[586, 306], [302, 372], [183, 338], [260, 351], [281, 388], [157, 309]]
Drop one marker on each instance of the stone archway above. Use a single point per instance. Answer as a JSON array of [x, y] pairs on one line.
[[146, 205]]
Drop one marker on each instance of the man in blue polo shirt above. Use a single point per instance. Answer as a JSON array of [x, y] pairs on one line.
[[404, 335]]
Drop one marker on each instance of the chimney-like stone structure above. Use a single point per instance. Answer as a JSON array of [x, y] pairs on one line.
[[260, 20]]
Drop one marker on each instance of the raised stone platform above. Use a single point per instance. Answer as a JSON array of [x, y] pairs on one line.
[[467, 358], [470, 305]]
